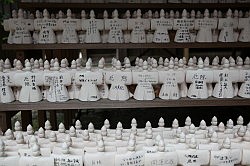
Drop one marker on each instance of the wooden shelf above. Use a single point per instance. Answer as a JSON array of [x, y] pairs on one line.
[[122, 46], [32, 6], [131, 103]]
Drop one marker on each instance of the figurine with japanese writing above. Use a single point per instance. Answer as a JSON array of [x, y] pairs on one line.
[[73, 89], [224, 79], [244, 90], [30, 82], [205, 27], [6, 25], [46, 26], [161, 26], [144, 80], [21, 28], [119, 80], [57, 82], [6, 81], [82, 33], [70, 27], [92, 27], [193, 156], [170, 79], [226, 156], [115, 27], [138, 26], [199, 79], [89, 79], [183, 25], [227, 25], [244, 25]]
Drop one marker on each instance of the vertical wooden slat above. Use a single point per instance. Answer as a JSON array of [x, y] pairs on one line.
[[41, 117], [3, 122], [53, 119], [26, 118]]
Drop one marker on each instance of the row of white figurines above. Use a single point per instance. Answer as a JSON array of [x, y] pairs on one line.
[[172, 143], [91, 83], [232, 28]]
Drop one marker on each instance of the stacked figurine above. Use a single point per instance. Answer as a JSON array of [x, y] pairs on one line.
[[56, 82], [141, 28], [215, 144]]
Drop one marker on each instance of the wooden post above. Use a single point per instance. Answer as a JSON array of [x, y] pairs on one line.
[[186, 53], [53, 119], [26, 118], [41, 118], [3, 122]]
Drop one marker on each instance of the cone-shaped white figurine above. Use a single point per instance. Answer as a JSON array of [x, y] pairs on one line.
[[224, 79], [30, 82], [138, 26], [199, 79], [161, 26], [89, 80], [205, 27], [46, 26], [73, 89], [171, 79], [6, 81], [244, 25], [183, 25], [226, 156], [144, 80], [227, 26], [244, 90], [92, 27], [69, 27], [20, 27], [57, 82], [186, 157], [115, 27], [6, 25], [119, 80]]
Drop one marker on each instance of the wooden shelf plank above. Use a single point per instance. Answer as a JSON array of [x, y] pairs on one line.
[[122, 46], [131, 103], [30, 5]]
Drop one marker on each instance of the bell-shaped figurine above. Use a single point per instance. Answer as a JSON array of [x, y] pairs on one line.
[[227, 26], [92, 27], [46, 27], [89, 79], [119, 80], [138, 26], [183, 25]]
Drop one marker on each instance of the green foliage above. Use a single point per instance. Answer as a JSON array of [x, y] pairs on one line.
[[8, 1]]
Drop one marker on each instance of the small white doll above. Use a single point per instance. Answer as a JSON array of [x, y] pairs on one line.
[[244, 90], [205, 27], [6, 24], [5, 159], [193, 156], [144, 80], [116, 27], [21, 28], [227, 26], [57, 82], [183, 25], [73, 89], [82, 33], [92, 27], [170, 79], [36, 32], [226, 156], [161, 27], [138, 26], [199, 79], [244, 25], [119, 80], [69, 27], [89, 79], [30, 82], [46, 26], [224, 79], [6, 81]]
